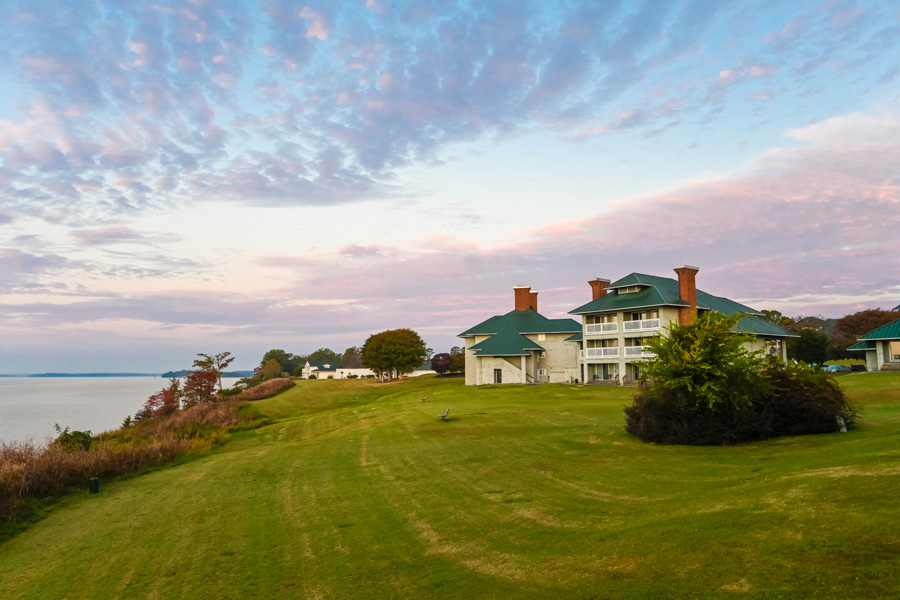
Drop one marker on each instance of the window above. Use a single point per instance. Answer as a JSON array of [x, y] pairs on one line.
[[542, 372], [542, 337], [629, 289]]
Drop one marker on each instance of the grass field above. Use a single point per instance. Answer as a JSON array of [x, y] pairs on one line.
[[357, 490]]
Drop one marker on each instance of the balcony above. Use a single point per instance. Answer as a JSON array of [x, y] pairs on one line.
[[645, 325], [600, 353], [638, 352], [601, 328]]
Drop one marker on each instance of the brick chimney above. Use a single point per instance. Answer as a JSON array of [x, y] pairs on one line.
[[523, 297], [598, 288], [687, 291], [534, 301]]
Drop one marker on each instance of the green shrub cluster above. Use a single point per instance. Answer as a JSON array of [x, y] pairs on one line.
[[706, 388]]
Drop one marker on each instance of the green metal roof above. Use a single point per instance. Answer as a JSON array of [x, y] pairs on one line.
[[506, 344], [322, 365], [752, 324], [507, 332], [523, 321], [891, 331], [578, 337], [659, 291], [867, 345]]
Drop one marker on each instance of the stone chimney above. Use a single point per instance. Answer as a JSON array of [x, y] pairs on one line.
[[598, 288], [687, 291], [533, 301], [523, 297]]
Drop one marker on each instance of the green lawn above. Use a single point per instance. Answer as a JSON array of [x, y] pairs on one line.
[[357, 490]]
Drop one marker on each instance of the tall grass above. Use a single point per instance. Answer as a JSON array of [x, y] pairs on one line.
[[31, 475], [266, 389]]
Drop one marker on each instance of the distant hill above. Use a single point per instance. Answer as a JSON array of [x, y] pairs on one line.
[[185, 373]]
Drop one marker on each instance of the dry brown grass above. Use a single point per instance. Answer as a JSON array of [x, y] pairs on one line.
[[30, 472], [266, 389]]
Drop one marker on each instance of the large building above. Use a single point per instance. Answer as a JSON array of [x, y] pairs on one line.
[[623, 314], [609, 345], [522, 346]]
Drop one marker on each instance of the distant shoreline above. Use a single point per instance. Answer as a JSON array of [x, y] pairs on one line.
[[84, 375], [167, 375]]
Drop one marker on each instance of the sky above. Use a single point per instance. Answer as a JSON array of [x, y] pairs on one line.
[[226, 175]]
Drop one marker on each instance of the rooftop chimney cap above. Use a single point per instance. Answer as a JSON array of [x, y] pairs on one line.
[[601, 279], [688, 267]]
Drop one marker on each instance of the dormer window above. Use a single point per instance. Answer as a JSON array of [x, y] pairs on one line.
[[630, 289]]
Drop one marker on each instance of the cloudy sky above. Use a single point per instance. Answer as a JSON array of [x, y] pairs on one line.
[[201, 176]]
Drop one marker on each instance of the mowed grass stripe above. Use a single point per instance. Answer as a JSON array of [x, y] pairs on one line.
[[357, 490]]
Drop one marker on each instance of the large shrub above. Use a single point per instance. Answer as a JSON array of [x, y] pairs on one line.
[[704, 388]]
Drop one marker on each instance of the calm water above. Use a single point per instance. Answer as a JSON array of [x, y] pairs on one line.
[[29, 406]]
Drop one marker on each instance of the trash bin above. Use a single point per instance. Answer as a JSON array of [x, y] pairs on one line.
[[95, 485]]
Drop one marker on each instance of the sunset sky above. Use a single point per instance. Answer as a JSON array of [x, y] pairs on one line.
[[183, 177]]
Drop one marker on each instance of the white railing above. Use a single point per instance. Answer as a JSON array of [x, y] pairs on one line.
[[645, 325], [600, 353], [598, 328], [638, 352]]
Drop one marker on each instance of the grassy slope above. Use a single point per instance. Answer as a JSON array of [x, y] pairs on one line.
[[358, 490]]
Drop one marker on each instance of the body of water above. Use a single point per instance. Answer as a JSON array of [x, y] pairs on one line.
[[29, 406]]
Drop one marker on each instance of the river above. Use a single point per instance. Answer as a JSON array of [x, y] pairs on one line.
[[29, 406]]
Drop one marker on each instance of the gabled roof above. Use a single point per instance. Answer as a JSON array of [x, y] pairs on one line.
[[891, 331], [322, 365], [578, 337], [508, 332], [657, 291]]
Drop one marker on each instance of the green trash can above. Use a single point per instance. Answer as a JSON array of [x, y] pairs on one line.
[[95, 485]]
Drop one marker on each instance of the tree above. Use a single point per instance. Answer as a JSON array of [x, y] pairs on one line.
[[289, 362], [776, 318], [352, 359], [214, 363], [456, 350], [811, 347], [270, 370], [459, 363], [707, 362], [400, 350], [441, 363], [326, 355], [199, 387], [864, 321]]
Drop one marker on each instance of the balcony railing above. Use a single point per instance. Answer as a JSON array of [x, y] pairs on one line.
[[600, 353], [599, 328], [638, 352], [645, 325]]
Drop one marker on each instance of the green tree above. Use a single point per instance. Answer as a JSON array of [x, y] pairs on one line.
[[289, 362], [271, 370], [326, 355], [706, 361], [352, 359], [811, 347], [214, 363], [400, 350], [776, 318]]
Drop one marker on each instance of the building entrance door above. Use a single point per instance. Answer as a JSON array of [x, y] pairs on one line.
[[498, 375]]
